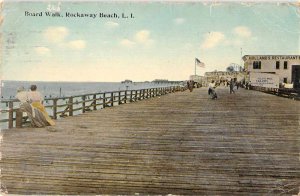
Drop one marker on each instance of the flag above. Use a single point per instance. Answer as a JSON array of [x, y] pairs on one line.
[[199, 63]]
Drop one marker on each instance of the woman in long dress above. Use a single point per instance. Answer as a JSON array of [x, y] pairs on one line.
[[37, 117], [35, 98]]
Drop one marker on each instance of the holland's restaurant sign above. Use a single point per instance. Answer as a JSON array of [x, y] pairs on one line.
[[273, 57]]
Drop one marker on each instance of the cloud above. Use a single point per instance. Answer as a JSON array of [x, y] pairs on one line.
[[143, 37], [242, 31], [42, 50], [127, 43], [111, 24], [179, 21], [56, 34], [212, 39], [77, 44]]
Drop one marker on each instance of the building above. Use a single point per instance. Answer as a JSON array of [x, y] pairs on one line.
[[198, 79], [287, 67], [224, 76]]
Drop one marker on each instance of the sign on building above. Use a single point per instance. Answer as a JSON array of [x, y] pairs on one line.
[[264, 80]]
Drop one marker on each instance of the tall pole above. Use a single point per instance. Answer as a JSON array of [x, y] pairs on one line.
[[195, 66], [242, 58]]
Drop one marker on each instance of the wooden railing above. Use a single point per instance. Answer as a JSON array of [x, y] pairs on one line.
[[73, 105], [283, 92]]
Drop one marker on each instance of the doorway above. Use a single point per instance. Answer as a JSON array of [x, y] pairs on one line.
[[296, 76]]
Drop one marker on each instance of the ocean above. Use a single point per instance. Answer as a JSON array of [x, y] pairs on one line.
[[61, 89]]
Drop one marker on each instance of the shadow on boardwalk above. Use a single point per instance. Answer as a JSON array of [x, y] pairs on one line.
[[182, 143]]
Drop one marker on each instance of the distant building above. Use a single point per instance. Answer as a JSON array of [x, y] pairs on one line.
[[126, 81], [287, 67], [223, 75], [199, 80]]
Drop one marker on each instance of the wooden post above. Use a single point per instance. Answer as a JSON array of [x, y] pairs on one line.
[[120, 100], [125, 101], [130, 96], [10, 114], [135, 98], [70, 106], [19, 118], [143, 93], [112, 99], [54, 108], [140, 92], [83, 104], [94, 102], [104, 101]]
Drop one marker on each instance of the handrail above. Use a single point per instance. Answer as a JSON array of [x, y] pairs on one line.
[[60, 107], [283, 92]]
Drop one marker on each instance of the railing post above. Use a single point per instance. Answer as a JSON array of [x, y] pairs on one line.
[[140, 97], [125, 101], [83, 104], [70, 106], [120, 101], [104, 101], [94, 102], [19, 118], [130, 95], [112, 99], [54, 108], [135, 98], [10, 114], [155, 92], [143, 93]]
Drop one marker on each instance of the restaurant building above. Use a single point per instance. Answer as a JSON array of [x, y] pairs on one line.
[[287, 67]]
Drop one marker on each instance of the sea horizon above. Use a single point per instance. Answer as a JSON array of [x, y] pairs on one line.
[[68, 88], [87, 81]]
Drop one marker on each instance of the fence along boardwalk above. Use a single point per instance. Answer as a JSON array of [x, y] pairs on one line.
[[180, 143]]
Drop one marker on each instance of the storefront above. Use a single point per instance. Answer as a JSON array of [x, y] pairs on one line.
[[287, 67]]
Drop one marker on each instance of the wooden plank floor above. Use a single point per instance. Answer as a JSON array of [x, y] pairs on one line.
[[181, 143]]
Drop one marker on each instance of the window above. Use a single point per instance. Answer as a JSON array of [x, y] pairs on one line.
[[277, 65], [256, 64], [285, 65], [284, 80]]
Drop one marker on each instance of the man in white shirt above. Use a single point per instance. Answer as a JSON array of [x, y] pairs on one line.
[[211, 90]]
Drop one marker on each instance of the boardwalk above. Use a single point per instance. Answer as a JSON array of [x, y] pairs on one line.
[[180, 143]]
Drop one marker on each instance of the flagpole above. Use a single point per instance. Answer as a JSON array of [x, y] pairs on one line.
[[195, 66]]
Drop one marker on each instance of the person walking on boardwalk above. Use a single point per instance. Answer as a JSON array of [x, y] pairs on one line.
[[190, 85], [211, 90], [35, 99], [231, 86]]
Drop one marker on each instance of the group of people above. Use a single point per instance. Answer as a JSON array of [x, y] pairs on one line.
[[212, 85], [31, 102]]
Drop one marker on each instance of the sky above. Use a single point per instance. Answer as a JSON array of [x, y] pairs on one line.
[[160, 41]]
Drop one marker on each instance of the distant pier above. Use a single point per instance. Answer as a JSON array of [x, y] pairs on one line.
[[182, 143]]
